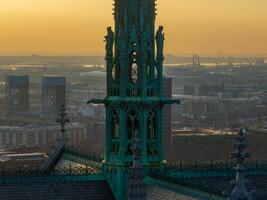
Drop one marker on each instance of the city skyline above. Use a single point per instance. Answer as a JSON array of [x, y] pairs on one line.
[[135, 129], [206, 27]]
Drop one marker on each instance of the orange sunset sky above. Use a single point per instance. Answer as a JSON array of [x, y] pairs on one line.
[[207, 27]]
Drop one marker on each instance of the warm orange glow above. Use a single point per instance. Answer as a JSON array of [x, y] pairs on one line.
[[78, 26]]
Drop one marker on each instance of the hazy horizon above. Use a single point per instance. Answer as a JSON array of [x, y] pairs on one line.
[[102, 54], [69, 27]]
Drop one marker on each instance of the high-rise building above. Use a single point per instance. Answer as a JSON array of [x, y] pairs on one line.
[[17, 93], [53, 94]]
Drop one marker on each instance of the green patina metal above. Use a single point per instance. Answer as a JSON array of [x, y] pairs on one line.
[[210, 173], [134, 91], [187, 191], [214, 165], [81, 160], [203, 178], [195, 174], [51, 178], [62, 171], [84, 155], [212, 169]]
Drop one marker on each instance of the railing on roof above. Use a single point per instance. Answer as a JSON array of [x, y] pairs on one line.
[[83, 161], [189, 182], [190, 174], [76, 152], [34, 171], [217, 165], [186, 189], [50, 179]]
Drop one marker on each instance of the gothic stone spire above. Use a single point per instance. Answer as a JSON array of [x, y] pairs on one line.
[[136, 186], [58, 149], [134, 101], [62, 120], [240, 192]]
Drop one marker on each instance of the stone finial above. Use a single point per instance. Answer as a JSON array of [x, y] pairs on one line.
[[62, 120], [136, 184], [240, 192], [59, 147]]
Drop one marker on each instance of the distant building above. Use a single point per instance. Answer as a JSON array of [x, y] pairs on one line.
[[189, 90], [17, 93], [167, 118], [13, 159], [39, 136], [204, 145], [53, 94]]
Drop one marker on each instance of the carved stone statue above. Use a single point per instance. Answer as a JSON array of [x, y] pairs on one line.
[[160, 41], [109, 39]]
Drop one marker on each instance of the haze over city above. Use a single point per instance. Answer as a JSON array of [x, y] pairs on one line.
[[133, 99], [218, 27]]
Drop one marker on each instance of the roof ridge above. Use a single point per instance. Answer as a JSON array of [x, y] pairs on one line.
[[194, 193]]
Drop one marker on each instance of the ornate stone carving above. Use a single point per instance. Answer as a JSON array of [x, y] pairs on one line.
[[160, 37], [109, 39]]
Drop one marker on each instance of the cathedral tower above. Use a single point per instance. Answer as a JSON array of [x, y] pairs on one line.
[[134, 59]]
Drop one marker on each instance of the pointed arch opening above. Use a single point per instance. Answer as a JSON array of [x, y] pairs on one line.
[[115, 130], [152, 122], [149, 67], [114, 119], [133, 70], [132, 127]]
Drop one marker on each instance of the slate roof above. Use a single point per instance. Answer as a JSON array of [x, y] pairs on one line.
[[172, 184], [52, 188], [157, 193], [214, 182], [202, 188], [70, 179], [256, 184], [160, 189]]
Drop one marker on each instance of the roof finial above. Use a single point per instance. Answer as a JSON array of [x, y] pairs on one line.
[[58, 149], [240, 191], [136, 184], [62, 120]]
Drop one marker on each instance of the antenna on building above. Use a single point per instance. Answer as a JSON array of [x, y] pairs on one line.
[[240, 191]]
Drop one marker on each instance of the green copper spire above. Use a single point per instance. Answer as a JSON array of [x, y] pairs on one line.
[[134, 102], [133, 69]]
